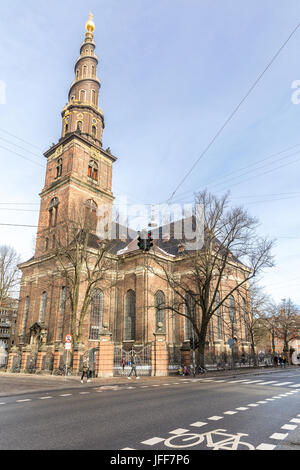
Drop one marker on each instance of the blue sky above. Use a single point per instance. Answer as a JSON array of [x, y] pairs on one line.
[[172, 71]]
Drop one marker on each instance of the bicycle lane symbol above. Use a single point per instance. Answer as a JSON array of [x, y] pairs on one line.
[[227, 442]]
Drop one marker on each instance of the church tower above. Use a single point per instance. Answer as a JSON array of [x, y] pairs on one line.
[[79, 171]]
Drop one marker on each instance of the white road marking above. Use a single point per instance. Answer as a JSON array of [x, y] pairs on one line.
[[282, 383], [215, 418], [198, 424], [235, 381], [154, 440], [230, 412], [269, 382], [295, 420], [179, 431], [45, 398], [253, 404], [262, 401], [252, 382], [270, 399], [295, 385], [290, 427], [242, 408], [279, 436], [2, 403], [66, 395], [265, 447], [127, 448], [83, 393], [25, 399]]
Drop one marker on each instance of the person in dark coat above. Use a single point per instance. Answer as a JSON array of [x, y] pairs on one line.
[[133, 366]]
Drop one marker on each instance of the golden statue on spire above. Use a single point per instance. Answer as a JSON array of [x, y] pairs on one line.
[[90, 26]]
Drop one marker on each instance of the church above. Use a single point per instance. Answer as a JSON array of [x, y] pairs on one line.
[[124, 309]]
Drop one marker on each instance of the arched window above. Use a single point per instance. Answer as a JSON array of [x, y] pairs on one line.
[[26, 311], [91, 214], [232, 315], [77, 74], [129, 323], [82, 95], [219, 317], [59, 168], [66, 128], [190, 312], [93, 70], [62, 307], [96, 314], [93, 96], [84, 71], [245, 319], [79, 126], [159, 310], [43, 307], [94, 132], [93, 170], [53, 210]]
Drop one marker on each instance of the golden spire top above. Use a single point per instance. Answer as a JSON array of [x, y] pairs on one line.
[[90, 26]]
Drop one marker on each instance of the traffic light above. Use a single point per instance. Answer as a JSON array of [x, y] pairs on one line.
[[141, 243], [194, 343], [149, 242]]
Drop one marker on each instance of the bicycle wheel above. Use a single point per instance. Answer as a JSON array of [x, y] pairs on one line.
[[183, 437]]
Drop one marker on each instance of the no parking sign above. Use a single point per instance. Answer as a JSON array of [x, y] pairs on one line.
[[68, 338]]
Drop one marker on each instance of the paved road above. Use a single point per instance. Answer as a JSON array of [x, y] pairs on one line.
[[246, 412]]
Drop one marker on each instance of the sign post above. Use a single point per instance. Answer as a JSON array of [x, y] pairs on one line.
[[68, 346]]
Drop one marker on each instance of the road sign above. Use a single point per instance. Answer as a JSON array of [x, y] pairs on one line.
[[231, 342], [68, 338], [68, 346]]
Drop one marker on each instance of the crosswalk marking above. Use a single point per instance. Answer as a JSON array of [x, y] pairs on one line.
[[25, 399]]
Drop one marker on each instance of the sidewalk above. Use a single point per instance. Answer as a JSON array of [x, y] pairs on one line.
[[20, 383]]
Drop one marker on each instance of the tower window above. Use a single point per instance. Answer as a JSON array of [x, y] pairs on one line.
[[91, 214], [66, 128], [93, 170], [79, 126], [53, 210], [59, 168], [94, 132], [82, 95], [93, 97]]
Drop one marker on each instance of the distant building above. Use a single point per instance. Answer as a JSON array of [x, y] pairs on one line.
[[8, 320]]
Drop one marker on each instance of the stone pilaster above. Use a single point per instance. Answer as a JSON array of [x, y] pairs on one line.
[[26, 351], [105, 354], [77, 354], [12, 354], [160, 360]]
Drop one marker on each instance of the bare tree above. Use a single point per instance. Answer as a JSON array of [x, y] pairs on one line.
[[208, 280], [287, 322], [83, 261], [9, 272]]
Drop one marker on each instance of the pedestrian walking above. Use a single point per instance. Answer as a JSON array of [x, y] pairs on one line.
[[276, 361], [133, 366], [284, 360], [280, 360], [85, 372], [123, 364]]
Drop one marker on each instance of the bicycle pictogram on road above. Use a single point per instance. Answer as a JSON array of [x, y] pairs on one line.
[[227, 442]]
